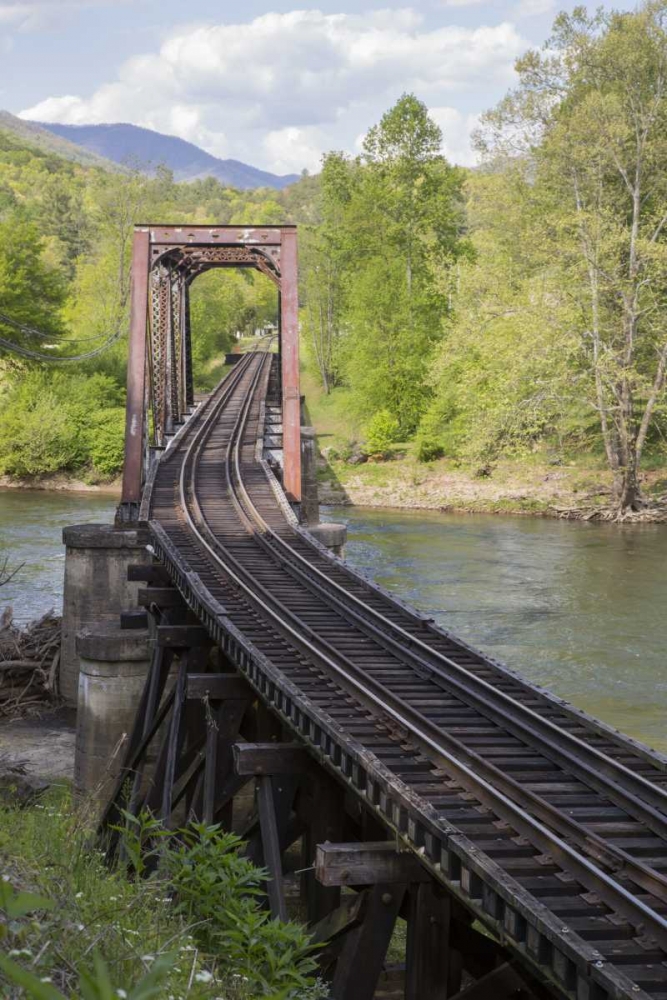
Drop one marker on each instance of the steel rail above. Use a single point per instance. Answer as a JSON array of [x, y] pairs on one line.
[[481, 695], [377, 696], [484, 697]]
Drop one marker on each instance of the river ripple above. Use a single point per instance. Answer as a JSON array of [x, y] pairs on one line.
[[578, 607]]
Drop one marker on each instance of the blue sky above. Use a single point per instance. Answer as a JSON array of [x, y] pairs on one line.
[[275, 85]]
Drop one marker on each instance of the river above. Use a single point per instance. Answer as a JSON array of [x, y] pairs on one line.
[[577, 607]]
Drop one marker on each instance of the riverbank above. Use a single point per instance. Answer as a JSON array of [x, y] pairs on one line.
[[542, 484], [60, 482], [529, 487]]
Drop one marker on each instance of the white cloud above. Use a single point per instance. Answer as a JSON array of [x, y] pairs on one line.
[[288, 86], [31, 15], [533, 8], [461, 3], [456, 130]]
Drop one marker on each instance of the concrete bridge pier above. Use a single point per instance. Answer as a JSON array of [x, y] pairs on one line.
[[333, 536], [114, 663], [96, 587]]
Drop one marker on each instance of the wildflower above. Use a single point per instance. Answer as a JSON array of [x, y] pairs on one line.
[[121, 993], [46, 979], [78, 895], [203, 977]]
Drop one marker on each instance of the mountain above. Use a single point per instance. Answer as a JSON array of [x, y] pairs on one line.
[[46, 141], [141, 147]]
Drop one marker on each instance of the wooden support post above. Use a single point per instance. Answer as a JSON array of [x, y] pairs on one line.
[[360, 964], [223, 721], [174, 742], [428, 943], [323, 813], [271, 845]]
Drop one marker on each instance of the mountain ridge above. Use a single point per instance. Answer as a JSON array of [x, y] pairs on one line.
[[48, 142], [124, 143]]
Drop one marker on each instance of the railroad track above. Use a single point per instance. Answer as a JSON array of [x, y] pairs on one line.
[[544, 821]]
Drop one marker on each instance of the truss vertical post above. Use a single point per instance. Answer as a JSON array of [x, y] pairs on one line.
[[136, 371], [289, 329], [187, 347]]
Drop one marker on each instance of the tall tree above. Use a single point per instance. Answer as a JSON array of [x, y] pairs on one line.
[[407, 218], [590, 117], [326, 256], [31, 290]]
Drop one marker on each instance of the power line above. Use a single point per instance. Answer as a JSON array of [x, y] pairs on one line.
[[31, 331], [27, 352]]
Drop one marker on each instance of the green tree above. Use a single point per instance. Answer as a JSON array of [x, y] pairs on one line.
[[327, 254], [406, 215], [590, 119], [32, 292]]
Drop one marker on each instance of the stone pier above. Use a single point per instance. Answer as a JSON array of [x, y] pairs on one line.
[[96, 587]]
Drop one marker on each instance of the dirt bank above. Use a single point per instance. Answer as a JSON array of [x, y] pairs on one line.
[[60, 481], [530, 488]]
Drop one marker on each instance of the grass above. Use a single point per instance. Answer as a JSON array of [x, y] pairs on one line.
[[329, 414], [93, 914]]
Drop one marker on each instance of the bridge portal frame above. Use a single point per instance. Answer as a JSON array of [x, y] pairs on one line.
[[166, 259]]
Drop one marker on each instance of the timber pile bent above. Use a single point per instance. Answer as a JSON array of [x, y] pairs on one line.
[[445, 784]]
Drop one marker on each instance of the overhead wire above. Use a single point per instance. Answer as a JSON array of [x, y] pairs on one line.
[[28, 352]]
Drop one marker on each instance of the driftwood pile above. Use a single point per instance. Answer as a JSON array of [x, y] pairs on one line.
[[29, 662]]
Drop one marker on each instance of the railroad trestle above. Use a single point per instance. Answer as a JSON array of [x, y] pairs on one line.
[[397, 774]]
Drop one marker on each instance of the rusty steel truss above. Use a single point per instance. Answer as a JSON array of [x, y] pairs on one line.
[[166, 259]]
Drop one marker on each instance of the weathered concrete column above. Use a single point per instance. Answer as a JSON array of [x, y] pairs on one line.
[[310, 507], [114, 664], [333, 536], [96, 587]]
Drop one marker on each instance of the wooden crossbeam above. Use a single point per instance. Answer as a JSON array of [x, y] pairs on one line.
[[134, 619], [503, 982], [348, 915], [182, 636], [148, 573], [163, 597], [219, 687], [270, 758], [366, 864]]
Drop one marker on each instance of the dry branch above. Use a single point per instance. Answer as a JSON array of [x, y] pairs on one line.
[[29, 660]]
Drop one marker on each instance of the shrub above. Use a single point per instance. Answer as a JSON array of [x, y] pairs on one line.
[[381, 431], [54, 421], [428, 449], [107, 440], [217, 890]]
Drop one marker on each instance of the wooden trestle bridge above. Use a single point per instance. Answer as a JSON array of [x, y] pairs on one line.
[[401, 772]]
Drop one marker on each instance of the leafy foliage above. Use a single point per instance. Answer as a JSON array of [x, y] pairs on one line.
[[217, 890], [50, 421], [381, 431]]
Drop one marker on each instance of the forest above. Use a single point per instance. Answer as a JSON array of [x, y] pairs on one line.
[[462, 314]]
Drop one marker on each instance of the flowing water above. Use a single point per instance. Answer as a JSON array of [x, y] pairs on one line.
[[577, 607]]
